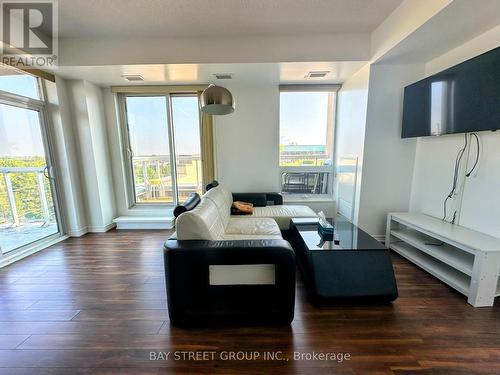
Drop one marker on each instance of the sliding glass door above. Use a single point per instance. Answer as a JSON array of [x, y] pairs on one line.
[[186, 127], [27, 201], [149, 149], [163, 147]]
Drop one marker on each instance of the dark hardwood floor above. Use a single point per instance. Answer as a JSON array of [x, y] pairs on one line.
[[97, 305]]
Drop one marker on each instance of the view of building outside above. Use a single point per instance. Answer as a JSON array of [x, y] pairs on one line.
[[306, 141], [306, 128]]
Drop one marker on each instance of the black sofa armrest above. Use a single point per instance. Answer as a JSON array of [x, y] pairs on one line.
[[192, 300], [259, 199]]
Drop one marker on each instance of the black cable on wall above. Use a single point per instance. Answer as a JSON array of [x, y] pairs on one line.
[[458, 161]]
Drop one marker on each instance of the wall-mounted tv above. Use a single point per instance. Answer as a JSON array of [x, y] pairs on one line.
[[464, 98]]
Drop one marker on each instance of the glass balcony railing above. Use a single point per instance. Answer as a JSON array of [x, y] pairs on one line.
[[306, 181], [153, 178], [306, 173], [27, 211]]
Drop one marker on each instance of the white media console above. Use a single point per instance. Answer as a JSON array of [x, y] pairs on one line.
[[466, 260]]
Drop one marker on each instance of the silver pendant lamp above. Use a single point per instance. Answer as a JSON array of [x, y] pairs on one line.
[[216, 100]]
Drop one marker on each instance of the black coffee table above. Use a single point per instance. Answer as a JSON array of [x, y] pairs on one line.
[[354, 266]]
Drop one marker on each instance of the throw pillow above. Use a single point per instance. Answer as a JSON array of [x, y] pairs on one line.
[[241, 208]]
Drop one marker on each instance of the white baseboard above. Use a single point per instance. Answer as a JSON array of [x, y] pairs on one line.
[[91, 229], [101, 228], [141, 222], [78, 232]]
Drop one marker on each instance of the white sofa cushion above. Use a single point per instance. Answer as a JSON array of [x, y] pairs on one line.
[[212, 220], [207, 222], [201, 223], [223, 199], [250, 226], [283, 213]]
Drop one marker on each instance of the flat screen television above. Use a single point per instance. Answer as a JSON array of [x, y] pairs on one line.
[[464, 98]]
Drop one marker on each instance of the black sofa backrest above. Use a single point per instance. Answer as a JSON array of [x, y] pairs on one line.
[[257, 199], [213, 184], [191, 202]]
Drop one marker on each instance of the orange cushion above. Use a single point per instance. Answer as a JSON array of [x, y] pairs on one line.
[[241, 208]]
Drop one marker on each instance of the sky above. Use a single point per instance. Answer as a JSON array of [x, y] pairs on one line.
[[303, 118], [24, 85], [147, 121], [20, 133]]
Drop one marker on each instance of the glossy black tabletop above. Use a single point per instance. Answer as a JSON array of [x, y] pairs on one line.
[[346, 236]]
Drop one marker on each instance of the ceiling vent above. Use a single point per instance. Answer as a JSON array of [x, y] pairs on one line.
[[133, 77], [317, 74], [223, 75]]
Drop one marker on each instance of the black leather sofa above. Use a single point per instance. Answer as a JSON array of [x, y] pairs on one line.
[[193, 301]]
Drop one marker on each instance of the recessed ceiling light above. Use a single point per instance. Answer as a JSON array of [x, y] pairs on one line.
[[133, 77], [223, 75], [317, 74]]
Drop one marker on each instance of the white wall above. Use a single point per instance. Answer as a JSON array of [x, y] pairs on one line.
[[66, 158], [403, 21], [97, 121], [247, 140], [387, 159], [433, 174], [89, 126], [435, 158], [351, 122], [227, 49]]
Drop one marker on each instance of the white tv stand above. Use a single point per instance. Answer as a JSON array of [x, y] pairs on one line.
[[466, 260]]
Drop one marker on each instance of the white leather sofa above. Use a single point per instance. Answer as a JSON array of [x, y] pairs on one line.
[[211, 219], [222, 269]]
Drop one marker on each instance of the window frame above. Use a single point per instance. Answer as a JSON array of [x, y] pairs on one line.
[[127, 155], [291, 197], [40, 101], [40, 106]]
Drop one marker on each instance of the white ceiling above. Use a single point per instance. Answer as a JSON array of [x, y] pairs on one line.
[[110, 19], [429, 41], [248, 74]]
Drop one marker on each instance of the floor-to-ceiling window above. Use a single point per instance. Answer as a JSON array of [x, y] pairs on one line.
[[28, 204], [162, 144], [307, 124]]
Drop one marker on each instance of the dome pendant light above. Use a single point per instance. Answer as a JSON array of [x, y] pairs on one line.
[[216, 100]]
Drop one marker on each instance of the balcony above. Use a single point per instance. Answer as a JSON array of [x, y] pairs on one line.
[[306, 174], [153, 178], [26, 207]]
